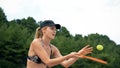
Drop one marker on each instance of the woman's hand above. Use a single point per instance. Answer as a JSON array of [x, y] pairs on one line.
[[74, 55], [85, 50]]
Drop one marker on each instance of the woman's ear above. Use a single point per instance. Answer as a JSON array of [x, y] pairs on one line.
[[44, 30]]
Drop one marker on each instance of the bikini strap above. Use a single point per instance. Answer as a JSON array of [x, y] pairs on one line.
[[51, 54]]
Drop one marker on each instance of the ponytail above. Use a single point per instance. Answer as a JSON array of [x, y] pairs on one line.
[[38, 33]]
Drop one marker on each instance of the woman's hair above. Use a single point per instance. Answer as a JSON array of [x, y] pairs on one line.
[[39, 32], [43, 25]]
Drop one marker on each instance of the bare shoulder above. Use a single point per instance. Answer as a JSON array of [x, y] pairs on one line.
[[32, 47], [56, 51], [53, 47], [35, 42]]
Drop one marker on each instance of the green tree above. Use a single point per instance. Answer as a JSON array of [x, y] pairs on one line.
[[64, 32], [3, 18]]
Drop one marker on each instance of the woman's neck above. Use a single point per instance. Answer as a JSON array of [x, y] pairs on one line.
[[45, 40]]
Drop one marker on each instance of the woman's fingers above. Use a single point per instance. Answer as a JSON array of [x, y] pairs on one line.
[[86, 46], [86, 50], [90, 49]]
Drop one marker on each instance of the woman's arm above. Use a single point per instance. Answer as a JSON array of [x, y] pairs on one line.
[[66, 63], [39, 50], [70, 61]]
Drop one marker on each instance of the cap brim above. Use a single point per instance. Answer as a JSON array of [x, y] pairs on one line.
[[58, 26]]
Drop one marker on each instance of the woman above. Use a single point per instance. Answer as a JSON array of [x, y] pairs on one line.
[[40, 52]]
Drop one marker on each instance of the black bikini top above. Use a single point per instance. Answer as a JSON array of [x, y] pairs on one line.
[[36, 59]]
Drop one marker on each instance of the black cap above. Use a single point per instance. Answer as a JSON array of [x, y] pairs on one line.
[[49, 23]]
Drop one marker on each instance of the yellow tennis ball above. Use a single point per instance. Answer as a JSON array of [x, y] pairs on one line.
[[99, 47]]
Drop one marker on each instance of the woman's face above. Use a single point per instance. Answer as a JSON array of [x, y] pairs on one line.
[[50, 32]]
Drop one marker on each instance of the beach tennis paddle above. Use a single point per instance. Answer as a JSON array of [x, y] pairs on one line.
[[94, 59]]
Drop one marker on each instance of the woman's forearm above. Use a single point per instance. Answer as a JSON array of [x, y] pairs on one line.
[[56, 61], [69, 62]]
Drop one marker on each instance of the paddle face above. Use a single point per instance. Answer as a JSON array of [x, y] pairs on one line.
[[94, 59]]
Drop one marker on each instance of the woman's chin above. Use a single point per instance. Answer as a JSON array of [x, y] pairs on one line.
[[52, 38]]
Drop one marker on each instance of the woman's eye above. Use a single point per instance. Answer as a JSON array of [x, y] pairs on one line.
[[53, 28]]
